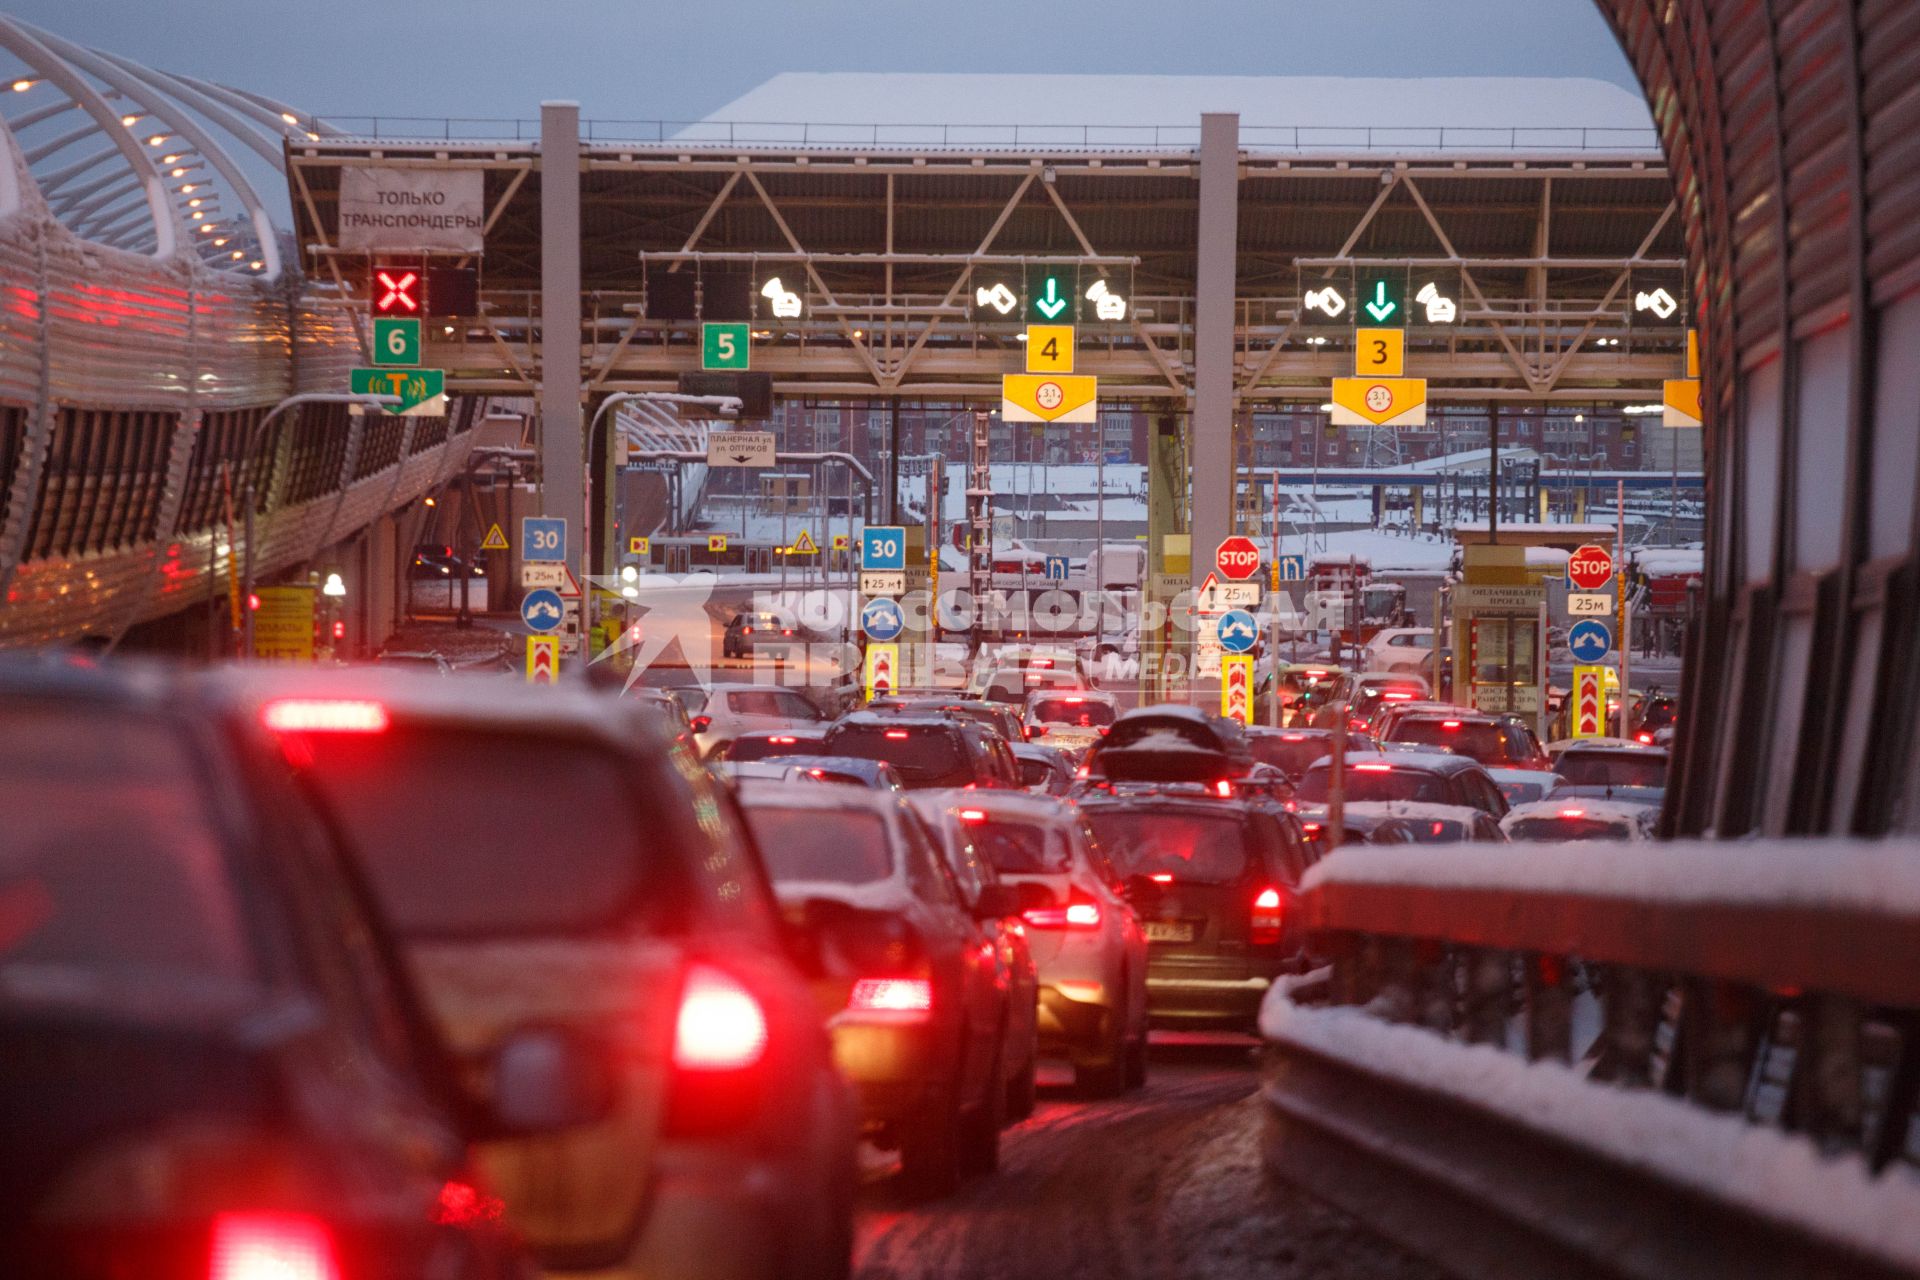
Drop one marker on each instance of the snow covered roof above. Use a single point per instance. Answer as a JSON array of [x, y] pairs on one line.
[[1276, 112]]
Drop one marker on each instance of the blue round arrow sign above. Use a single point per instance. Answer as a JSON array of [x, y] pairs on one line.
[[543, 609], [1589, 639], [882, 619], [1238, 631]]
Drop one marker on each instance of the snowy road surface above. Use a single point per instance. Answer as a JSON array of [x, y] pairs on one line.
[[1164, 1184]]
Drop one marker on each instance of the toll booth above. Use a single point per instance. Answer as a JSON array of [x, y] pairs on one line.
[[1499, 634]]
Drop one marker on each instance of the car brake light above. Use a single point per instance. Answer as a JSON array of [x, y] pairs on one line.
[[1311, 828], [1374, 768], [973, 815], [1266, 917], [1045, 664], [1082, 771], [721, 1026], [745, 631], [1643, 737], [1396, 697], [1293, 737], [1161, 877], [272, 1246], [816, 773], [1223, 788], [891, 995], [700, 724], [1573, 813], [324, 715], [1081, 912], [1073, 701], [1449, 724], [783, 739], [897, 733]]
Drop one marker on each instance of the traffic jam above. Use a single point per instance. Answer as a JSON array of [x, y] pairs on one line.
[[328, 974]]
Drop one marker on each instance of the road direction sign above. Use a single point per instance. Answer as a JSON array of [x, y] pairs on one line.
[[1049, 348], [840, 542], [396, 341], [1237, 558], [716, 542], [880, 671], [1590, 567], [1379, 353], [883, 546], [1589, 702], [543, 538], [740, 449], [639, 546], [882, 619], [726, 345], [1380, 402], [496, 539], [1049, 397], [543, 610], [885, 582], [1236, 687], [543, 659], [1380, 301], [1238, 631], [419, 390], [1595, 606], [1680, 402], [1589, 639], [543, 573], [1215, 596], [804, 545], [1056, 568], [1292, 568]]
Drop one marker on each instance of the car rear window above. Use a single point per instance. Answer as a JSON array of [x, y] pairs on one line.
[[1566, 829], [1480, 741], [1196, 848], [923, 755], [1087, 713], [1289, 753], [1019, 848], [768, 746], [1035, 773], [470, 832], [113, 876], [1612, 769], [1378, 782], [837, 847]]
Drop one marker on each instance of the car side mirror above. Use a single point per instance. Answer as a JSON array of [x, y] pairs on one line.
[[545, 1080], [996, 902]]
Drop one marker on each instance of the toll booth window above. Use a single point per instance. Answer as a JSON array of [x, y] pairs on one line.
[[114, 886]]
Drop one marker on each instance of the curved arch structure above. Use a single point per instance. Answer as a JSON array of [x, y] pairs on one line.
[[1789, 131], [152, 313]]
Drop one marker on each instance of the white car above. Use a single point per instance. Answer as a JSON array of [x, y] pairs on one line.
[[1013, 672], [1580, 818], [1400, 649], [733, 709], [1088, 945], [1077, 714]]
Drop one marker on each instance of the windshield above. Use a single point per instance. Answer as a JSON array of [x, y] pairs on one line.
[[1193, 847], [923, 755], [1480, 741], [1378, 782], [1582, 828], [1018, 848], [1290, 753], [1612, 769], [474, 832], [1080, 712], [113, 879], [821, 845]]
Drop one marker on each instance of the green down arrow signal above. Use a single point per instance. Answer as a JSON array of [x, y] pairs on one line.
[[1053, 304], [1381, 306]]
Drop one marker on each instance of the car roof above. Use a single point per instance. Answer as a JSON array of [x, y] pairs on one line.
[[1421, 711], [1038, 751], [875, 720], [1431, 761], [1160, 802], [805, 795], [1608, 746], [839, 764], [1004, 804]]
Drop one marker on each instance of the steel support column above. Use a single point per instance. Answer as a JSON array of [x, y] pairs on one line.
[[1211, 453], [563, 478]]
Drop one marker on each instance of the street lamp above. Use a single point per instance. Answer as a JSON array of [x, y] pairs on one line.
[[253, 445]]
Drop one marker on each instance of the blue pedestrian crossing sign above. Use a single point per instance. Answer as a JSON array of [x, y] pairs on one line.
[[883, 547], [882, 620], [1056, 568], [1588, 640], [1291, 568], [1238, 631], [543, 610]]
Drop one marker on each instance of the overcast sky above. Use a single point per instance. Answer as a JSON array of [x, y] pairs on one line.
[[642, 59]]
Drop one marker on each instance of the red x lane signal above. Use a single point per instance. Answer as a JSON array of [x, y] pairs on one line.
[[396, 292]]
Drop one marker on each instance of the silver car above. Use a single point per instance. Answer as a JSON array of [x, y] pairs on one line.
[[1088, 945], [733, 709]]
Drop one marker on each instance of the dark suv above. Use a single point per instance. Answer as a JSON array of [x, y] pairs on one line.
[[927, 750], [1498, 742], [1213, 882]]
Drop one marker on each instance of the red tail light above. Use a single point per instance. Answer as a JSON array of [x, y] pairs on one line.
[[1374, 768], [1081, 912], [1311, 828], [898, 734], [272, 1246], [721, 1026], [1266, 917], [746, 631], [1161, 877], [1449, 724], [1643, 737], [1073, 700], [973, 815], [700, 724], [1105, 730], [783, 739], [324, 715], [1223, 788], [1573, 813], [891, 995]]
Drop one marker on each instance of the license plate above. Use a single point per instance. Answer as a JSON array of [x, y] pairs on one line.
[[1169, 931]]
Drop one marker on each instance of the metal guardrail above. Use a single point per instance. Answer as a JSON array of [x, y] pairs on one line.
[[1624, 1061], [1255, 138]]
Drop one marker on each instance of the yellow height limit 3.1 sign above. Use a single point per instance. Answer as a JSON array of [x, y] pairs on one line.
[[1049, 397], [1380, 402]]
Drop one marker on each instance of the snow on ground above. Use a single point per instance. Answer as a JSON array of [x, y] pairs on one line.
[[1390, 552]]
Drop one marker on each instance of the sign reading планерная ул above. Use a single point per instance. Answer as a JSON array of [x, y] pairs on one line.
[[391, 209]]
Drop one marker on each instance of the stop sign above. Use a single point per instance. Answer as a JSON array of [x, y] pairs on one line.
[[1237, 558], [1590, 567]]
